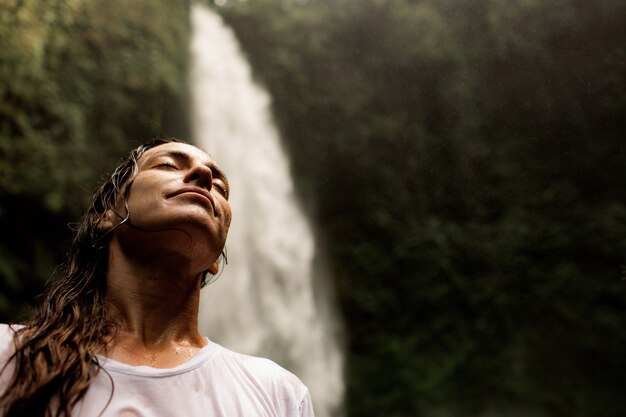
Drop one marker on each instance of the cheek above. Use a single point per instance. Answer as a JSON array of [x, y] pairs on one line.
[[144, 203], [142, 190], [229, 217]]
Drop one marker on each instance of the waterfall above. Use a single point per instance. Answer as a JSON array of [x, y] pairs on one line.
[[266, 302]]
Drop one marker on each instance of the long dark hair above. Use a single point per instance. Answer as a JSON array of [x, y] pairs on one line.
[[55, 356]]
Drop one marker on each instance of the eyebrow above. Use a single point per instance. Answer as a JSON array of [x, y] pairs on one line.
[[179, 155]]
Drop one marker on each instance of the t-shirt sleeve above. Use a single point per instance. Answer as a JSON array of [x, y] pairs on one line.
[[7, 347], [290, 396], [306, 406]]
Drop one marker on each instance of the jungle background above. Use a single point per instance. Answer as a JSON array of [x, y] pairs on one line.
[[463, 162]]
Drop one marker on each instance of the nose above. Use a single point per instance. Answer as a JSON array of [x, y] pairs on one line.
[[201, 175]]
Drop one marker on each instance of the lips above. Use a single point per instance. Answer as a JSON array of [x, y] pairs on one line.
[[195, 190]]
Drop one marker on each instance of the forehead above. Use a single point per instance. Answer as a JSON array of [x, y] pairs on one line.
[[191, 151]]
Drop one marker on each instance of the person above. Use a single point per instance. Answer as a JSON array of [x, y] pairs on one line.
[[116, 334]]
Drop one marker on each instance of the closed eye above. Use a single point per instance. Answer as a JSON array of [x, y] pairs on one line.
[[221, 187], [168, 165]]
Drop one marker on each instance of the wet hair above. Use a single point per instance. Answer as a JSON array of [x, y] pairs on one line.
[[55, 357]]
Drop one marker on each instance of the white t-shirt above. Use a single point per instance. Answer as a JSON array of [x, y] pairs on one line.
[[216, 382]]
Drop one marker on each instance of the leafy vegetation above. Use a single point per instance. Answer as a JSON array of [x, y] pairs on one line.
[[464, 161], [79, 81]]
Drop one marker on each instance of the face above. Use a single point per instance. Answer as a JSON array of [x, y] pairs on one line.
[[180, 197]]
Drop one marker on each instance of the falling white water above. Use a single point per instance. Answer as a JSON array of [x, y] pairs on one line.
[[265, 303]]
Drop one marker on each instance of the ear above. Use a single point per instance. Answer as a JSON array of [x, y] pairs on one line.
[[108, 221], [215, 268]]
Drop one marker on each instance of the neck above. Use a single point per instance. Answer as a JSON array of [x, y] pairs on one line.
[[156, 303]]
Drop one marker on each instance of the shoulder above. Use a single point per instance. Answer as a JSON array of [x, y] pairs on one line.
[[7, 338], [264, 376], [7, 348], [260, 369]]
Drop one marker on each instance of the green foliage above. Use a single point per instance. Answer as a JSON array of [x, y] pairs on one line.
[[465, 162], [80, 81]]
